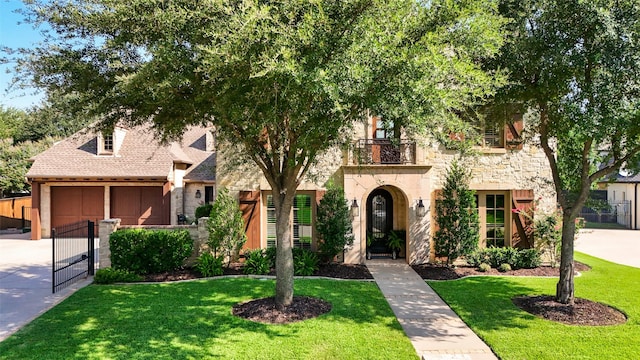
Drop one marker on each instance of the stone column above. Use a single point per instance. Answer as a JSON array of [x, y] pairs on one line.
[[106, 227]]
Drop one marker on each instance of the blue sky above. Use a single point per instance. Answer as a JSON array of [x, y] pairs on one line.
[[13, 34]]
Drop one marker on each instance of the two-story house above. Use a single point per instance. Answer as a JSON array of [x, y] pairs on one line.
[[392, 184]]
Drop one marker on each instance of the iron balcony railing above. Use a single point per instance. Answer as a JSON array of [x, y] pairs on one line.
[[384, 151]]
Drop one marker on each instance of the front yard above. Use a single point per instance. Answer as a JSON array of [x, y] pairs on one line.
[[192, 320], [484, 303]]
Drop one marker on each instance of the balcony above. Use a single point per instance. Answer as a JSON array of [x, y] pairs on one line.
[[384, 151]]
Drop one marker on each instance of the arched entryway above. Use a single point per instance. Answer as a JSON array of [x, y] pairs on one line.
[[380, 219]]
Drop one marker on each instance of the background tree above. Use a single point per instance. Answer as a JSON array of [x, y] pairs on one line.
[[457, 219], [15, 154], [333, 223], [226, 227], [575, 71], [283, 80]]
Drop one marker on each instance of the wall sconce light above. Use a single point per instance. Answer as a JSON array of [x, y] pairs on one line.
[[198, 194], [421, 211], [355, 210]]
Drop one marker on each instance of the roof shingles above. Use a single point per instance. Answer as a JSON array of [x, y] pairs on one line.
[[140, 156]]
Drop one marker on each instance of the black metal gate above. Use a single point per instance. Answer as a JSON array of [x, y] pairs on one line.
[[73, 253]]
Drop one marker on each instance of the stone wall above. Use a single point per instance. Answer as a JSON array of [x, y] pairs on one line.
[[500, 169], [199, 233]]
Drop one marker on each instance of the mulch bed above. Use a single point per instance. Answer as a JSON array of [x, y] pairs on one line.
[[583, 312], [439, 272], [265, 311]]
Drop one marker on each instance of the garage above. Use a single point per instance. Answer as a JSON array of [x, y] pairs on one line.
[[77, 203], [139, 205]]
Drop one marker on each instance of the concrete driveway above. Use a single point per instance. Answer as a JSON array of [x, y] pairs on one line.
[[25, 281], [618, 246]]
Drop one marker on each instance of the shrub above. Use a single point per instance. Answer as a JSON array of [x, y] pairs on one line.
[[528, 259], [209, 265], [256, 262], [270, 254], [517, 259], [305, 262], [458, 222], [203, 211], [484, 267], [499, 256], [504, 267], [226, 227], [478, 257], [333, 224], [111, 275], [149, 251]]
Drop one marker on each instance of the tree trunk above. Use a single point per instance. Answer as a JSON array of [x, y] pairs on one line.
[[565, 287], [283, 202]]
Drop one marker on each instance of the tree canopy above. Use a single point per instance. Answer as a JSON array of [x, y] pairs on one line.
[[284, 80], [574, 69]]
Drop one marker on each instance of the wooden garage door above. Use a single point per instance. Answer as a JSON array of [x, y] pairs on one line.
[[138, 205], [73, 204]]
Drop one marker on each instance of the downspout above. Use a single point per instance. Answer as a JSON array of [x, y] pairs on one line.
[[635, 212]]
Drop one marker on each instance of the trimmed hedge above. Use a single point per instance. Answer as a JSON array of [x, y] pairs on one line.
[[516, 259], [111, 275], [143, 251]]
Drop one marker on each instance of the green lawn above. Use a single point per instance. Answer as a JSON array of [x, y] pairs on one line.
[[192, 320], [484, 303]]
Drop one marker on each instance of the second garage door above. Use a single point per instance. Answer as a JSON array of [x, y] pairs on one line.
[[139, 205]]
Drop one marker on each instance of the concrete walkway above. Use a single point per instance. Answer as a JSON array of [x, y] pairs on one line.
[[436, 332], [25, 281]]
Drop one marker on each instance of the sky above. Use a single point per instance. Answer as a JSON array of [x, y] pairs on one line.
[[13, 34]]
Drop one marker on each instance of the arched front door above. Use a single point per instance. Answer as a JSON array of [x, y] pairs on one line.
[[379, 221]]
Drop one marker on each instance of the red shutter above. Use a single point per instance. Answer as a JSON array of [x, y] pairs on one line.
[[513, 133], [250, 207], [522, 218]]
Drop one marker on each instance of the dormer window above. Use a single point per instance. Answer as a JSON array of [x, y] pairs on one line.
[[105, 144], [108, 143]]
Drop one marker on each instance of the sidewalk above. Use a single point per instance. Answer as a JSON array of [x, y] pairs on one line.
[[436, 332], [25, 281]]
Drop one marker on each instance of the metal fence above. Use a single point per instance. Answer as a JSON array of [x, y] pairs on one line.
[[73, 253], [617, 212]]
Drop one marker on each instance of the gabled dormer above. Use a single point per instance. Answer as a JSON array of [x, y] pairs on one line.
[[109, 143]]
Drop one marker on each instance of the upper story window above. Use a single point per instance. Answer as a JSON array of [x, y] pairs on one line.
[[105, 144], [492, 136], [108, 143], [383, 129]]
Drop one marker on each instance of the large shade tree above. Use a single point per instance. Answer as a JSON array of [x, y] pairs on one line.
[[575, 70], [283, 80]]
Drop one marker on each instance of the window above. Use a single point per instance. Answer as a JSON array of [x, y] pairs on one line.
[[383, 129], [302, 221], [492, 136], [495, 220], [494, 224], [208, 194], [108, 143]]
